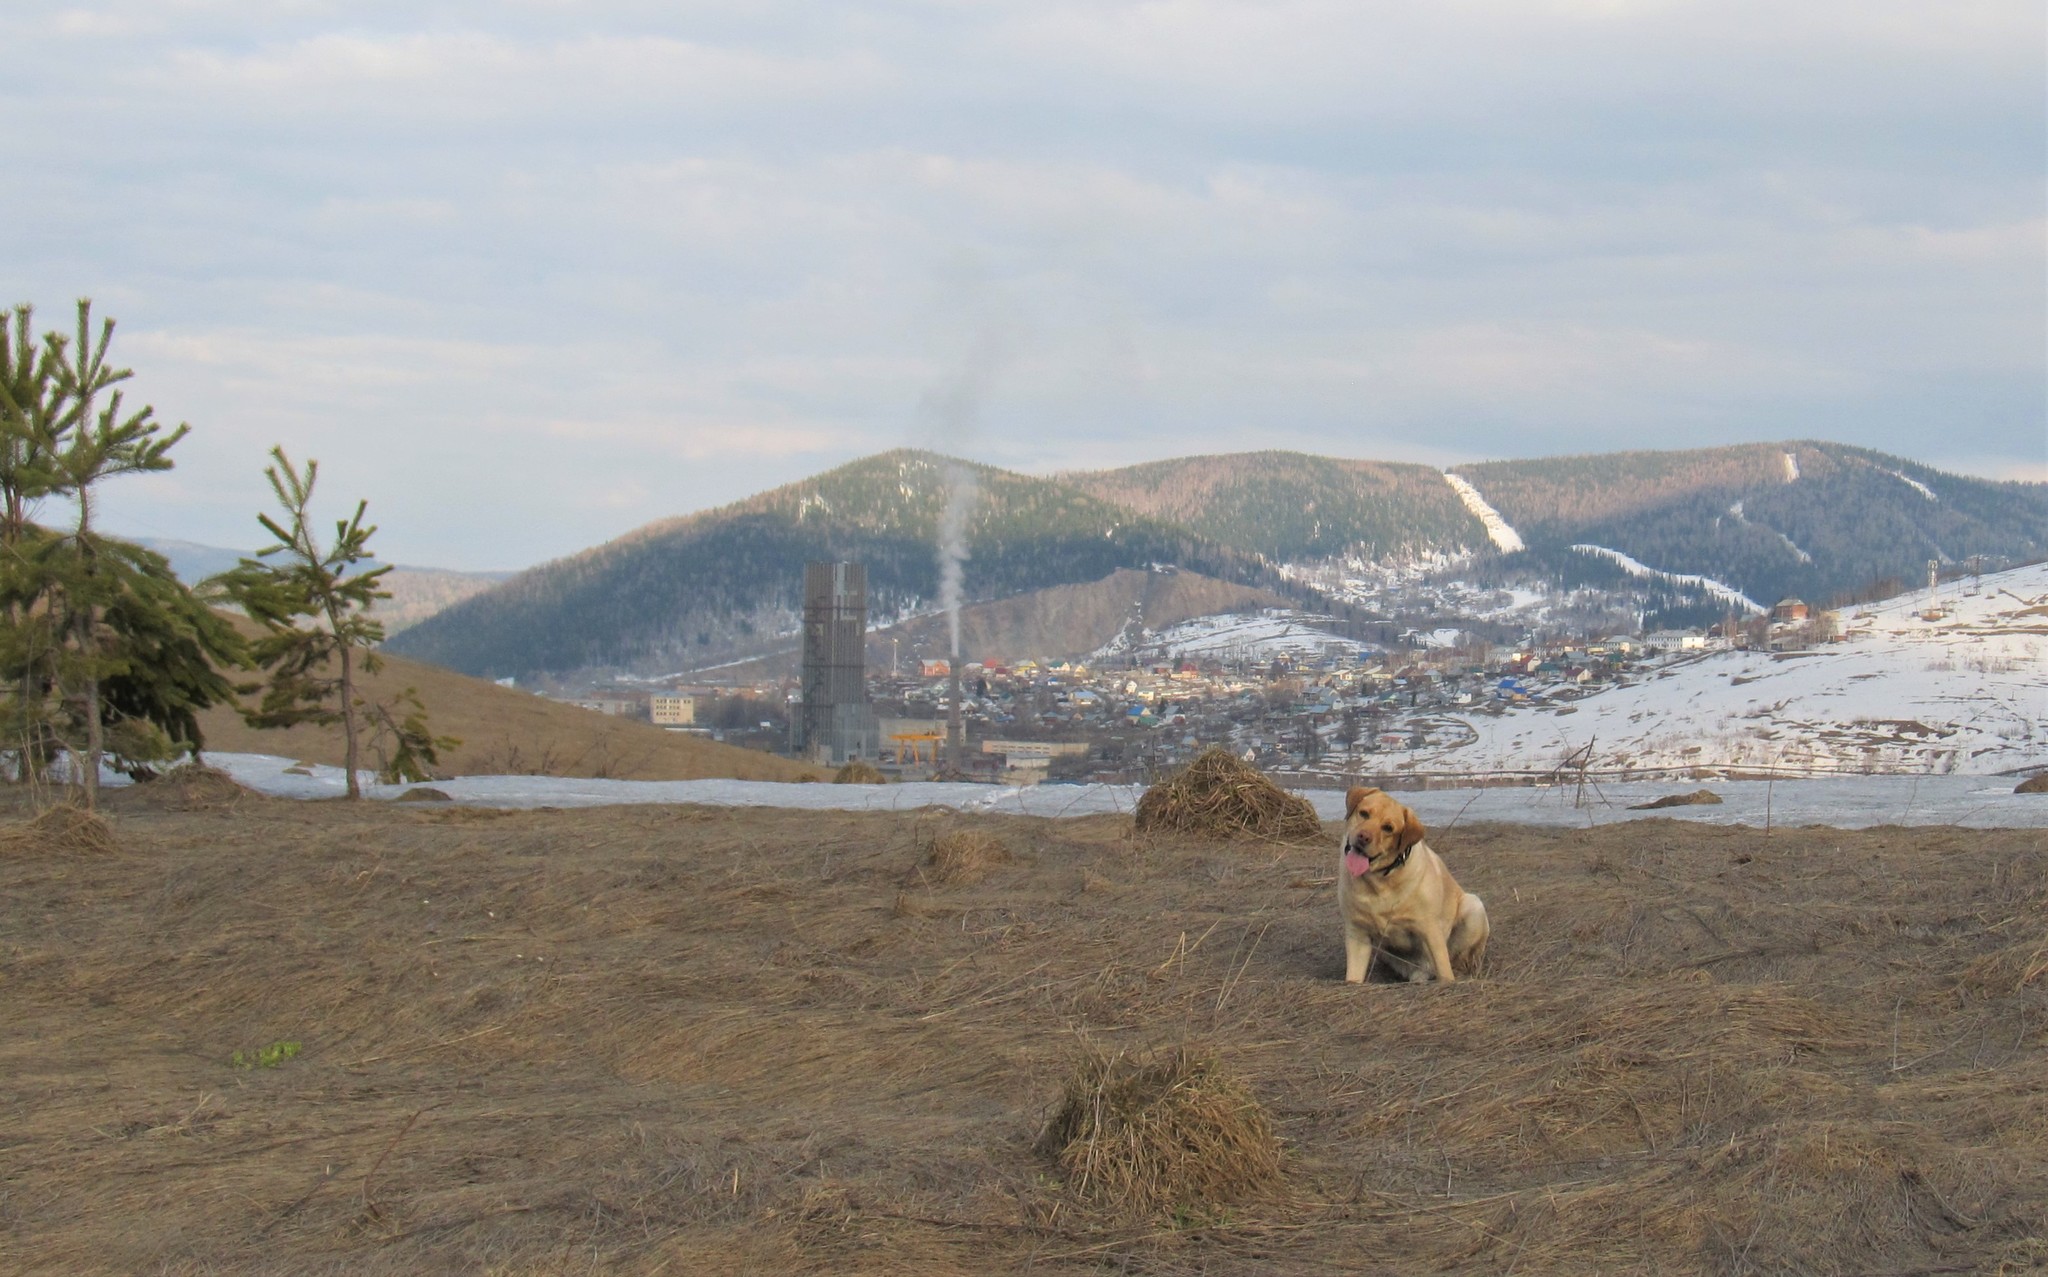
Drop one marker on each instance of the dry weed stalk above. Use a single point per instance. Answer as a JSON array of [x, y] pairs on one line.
[[1221, 796], [1172, 1132]]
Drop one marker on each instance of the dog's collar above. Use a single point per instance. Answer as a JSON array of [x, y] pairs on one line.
[[1399, 860]]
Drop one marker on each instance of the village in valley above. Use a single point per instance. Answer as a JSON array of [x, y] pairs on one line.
[[1277, 688]]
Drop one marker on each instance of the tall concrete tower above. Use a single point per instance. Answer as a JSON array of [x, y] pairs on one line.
[[835, 722]]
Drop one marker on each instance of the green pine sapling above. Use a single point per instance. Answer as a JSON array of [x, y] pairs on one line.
[[314, 608]]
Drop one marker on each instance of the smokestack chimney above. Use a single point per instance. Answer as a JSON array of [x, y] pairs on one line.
[[956, 727]]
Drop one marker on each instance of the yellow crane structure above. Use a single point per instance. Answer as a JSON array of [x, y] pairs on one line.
[[915, 742]]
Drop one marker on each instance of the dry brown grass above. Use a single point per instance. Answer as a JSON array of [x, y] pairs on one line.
[[962, 856], [1220, 796], [1170, 1131], [685, 1040], [2020, 964]]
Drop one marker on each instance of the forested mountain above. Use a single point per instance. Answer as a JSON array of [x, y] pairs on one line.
[[1811, 520], [1815, 520], [727, 582], [1292, 507]]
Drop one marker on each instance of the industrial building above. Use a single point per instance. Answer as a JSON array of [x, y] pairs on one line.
[[835, 724]]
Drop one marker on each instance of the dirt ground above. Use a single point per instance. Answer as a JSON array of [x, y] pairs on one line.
[[696, 1040]]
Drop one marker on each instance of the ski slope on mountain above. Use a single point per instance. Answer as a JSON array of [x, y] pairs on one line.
[[1504, 537], [1935, 682], [1726, 593]]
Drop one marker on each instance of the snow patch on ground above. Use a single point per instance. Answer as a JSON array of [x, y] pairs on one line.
[[1505, 538], [1791, 468], [1634, 567], [1849, 802]]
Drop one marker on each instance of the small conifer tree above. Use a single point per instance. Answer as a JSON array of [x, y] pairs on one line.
[[314, 607], [95, 633]]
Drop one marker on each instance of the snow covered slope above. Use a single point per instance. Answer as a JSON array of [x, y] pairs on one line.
[[1726, 593], [1256, 637], [1965, 692]]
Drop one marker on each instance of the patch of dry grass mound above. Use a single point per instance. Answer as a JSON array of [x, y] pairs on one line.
[[61, 829], [1220, 796], [1175, 1131], [1697, 798], [2013, 968], [859, 772], [197, 787], [964, 856]]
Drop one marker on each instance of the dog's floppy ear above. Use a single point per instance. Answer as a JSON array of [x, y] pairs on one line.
[[1358, 794], [1412, 828]]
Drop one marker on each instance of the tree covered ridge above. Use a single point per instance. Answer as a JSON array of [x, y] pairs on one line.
[[1851, 517], [680, 592], [691, 591], [1293, 507]]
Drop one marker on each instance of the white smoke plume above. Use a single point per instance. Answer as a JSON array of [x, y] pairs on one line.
[[961, 492], [950, 416]]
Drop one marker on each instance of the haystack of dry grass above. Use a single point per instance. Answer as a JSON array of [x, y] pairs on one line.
[[1697, 798], [1174, 1131], [197, 787], [964, 856], [61, 829], [1221, 796], [859, 772]]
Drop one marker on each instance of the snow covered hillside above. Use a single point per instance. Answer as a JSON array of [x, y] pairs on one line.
[[1950, 680], [1255, 638]]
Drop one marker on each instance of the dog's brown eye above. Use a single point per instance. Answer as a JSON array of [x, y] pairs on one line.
[[1387, 829]]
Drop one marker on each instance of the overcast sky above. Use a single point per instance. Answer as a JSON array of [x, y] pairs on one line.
[[529, 274]]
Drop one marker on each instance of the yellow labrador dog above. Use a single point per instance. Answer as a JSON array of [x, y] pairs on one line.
[[1398, 899]]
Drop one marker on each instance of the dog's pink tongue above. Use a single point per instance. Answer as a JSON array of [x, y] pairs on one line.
[[1356, 865]]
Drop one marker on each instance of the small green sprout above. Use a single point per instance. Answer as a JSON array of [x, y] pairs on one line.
[[268, 1057]]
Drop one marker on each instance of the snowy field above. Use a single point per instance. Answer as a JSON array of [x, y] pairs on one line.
[[1980, 802]]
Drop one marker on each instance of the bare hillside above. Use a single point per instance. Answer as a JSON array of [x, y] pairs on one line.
[[505, 731]]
